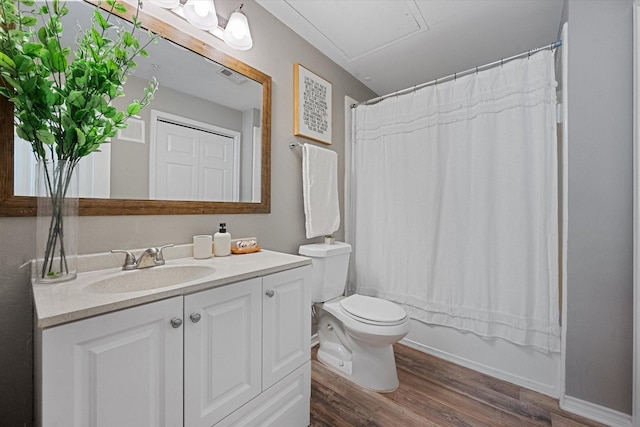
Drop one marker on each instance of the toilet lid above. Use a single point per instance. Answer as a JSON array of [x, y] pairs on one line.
[[375, 309]]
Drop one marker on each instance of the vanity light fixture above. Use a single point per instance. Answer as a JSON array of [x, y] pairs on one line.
[[237, 34], [202, 14]]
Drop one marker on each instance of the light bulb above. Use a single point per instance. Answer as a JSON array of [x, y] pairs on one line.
[[201, 8], [167, 4], [237, 33], [201, 14], [237, 30]]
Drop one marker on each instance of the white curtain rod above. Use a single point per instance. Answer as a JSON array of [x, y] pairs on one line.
[[454, 76]]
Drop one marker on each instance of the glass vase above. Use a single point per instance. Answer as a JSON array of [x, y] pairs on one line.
[[57, 221]]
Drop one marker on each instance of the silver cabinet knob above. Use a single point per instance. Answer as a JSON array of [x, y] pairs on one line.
[[270, 293], [195, 317], [176, 322]]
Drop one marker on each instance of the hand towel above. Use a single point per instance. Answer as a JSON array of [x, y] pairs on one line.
[[320, 190]]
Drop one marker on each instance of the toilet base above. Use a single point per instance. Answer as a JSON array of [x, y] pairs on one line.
[[382, 380], [370, 366]]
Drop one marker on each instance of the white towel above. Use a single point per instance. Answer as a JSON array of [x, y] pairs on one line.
[[320, 190]]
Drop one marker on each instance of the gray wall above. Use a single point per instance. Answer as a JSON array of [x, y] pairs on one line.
[[250, 119], [275, 50], [600, 266]]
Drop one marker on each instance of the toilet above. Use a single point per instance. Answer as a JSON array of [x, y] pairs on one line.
[[357, 332]]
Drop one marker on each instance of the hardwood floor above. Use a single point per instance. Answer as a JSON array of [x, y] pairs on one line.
[[432, 392]]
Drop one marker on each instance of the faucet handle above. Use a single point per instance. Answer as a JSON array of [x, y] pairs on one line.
[[160, 255], [129, 259]]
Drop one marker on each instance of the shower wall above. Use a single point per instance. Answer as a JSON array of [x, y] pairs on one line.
[[499, 358]]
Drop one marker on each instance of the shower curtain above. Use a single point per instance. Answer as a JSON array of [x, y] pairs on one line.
[[455, 200]]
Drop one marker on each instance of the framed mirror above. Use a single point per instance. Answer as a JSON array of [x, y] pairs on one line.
[[202, 91]]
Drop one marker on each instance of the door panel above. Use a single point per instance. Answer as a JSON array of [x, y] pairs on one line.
[[176, 162], [118, 369], [222, 366], [286, 331], [193, 164], [217, 168]]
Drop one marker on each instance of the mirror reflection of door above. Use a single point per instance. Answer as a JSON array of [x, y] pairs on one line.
[[94, 171], [194, 162]]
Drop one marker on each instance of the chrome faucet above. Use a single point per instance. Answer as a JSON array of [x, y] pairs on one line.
[[151, 257]]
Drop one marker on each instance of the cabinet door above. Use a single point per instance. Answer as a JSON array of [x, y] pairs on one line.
[[118, 369], [286, 336], [222, 351]]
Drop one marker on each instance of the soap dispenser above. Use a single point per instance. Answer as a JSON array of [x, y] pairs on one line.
[[222, 241]]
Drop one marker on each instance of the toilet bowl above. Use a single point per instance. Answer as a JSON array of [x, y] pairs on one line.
[[361, 347], [356, 333]]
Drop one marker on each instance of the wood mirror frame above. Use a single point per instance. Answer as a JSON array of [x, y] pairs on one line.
[[11, 205]]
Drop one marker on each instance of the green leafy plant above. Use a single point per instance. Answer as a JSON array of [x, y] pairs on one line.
[[62, 96]]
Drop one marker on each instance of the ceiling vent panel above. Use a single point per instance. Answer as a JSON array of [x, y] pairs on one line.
[[232, 75], [357, 28]]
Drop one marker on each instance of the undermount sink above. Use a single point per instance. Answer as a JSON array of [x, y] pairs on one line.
[[149, 279]]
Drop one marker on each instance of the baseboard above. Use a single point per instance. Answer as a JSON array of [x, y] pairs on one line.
[[595, 412], [496, 373]]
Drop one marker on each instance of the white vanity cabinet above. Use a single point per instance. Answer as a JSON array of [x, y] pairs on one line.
[[117, 369], [237, 354], [240, 341]]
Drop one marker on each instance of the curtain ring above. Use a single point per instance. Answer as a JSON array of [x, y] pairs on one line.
[[502, 62], [529, 54], [476, 70], [455, 76]]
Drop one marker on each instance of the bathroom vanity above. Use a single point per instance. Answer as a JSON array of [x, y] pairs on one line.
[[228, 347]]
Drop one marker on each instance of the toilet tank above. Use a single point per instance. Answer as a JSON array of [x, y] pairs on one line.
[[330, 264]]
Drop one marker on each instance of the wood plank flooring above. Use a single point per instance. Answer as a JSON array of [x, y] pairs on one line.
[[432, 392]]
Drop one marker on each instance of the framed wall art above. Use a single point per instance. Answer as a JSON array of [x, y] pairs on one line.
[[311, 105]]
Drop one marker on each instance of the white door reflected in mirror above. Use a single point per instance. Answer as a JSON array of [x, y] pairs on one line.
[[94, 171], [194, 164]]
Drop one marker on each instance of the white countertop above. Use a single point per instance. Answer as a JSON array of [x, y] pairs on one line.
[[68, 301]]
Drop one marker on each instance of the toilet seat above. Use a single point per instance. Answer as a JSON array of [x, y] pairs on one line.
[[373, 311], [371, 331]]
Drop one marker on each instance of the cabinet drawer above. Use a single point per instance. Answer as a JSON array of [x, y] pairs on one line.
[[287, 403]]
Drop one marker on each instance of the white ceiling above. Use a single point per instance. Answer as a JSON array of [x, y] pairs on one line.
[[391, 45]]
